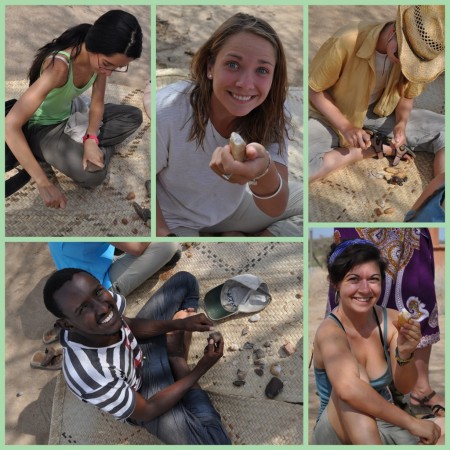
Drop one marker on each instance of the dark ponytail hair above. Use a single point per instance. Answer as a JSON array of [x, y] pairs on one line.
[[116, 31], [73, 37]]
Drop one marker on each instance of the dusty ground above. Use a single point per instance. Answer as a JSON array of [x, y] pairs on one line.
[[21, 46], [325, 20], [181, 30]]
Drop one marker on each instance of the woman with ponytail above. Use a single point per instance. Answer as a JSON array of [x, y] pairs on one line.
[[83, 56]]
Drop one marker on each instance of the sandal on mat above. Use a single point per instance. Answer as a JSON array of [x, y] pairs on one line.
[[51, 335], [437, 409], [377, 141], [50, 359]]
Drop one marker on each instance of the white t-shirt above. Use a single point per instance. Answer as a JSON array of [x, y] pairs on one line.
[[190, 194]]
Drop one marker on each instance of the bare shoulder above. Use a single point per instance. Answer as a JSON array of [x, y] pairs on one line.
[[55, 71]]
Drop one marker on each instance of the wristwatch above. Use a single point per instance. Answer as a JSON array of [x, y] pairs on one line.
[[90, 136]]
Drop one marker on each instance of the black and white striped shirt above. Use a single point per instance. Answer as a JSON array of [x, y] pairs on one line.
[[106, 377]]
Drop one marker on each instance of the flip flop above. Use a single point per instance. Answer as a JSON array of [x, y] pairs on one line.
[[51, 335], [50, 359]]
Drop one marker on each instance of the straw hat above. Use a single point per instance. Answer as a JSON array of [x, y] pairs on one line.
[[421, 41]]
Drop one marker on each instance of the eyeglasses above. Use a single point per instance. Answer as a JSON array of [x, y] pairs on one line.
[[122, 69]]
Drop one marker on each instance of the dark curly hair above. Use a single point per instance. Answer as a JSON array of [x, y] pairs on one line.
[[354, 255]]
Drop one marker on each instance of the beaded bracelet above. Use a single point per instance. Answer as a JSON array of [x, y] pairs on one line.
[[271, 195], [400, 361]]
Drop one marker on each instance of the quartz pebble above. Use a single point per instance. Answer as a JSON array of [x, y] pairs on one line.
[[275, 369], [233, 348], [254, 318]]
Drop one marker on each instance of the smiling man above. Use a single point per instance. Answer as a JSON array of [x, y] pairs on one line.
[[136, 369]]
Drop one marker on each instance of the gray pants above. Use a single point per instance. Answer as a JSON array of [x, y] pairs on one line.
[[324, 434], [248, 218], [51, 144], [193, 420], [128, 272], [424, 132]]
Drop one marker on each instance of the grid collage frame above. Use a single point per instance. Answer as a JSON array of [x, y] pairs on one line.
[[307, 225]]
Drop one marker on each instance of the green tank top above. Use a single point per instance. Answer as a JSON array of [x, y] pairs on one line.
[[57, 105]]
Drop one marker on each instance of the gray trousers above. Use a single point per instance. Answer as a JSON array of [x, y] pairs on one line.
[[248, 218], [128, 272], [49, 143], [193, 420]]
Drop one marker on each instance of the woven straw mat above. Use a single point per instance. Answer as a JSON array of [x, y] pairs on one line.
[[248, 416], [354, 193], [102, 211], [165, 77]]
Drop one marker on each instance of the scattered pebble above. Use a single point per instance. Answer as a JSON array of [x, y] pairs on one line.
[[378, 212], [275, 369], [19, 394], [274, 387], [239, 383], [115, 222], [216, 336], [134, 231], [389, 210], [267, 344], [258, 354], [248, 345], [254, 318], [241, 374], [233, 348], [259, 371], [131, 196], [289, 348], [245, 331], [260, 362], [125, 221]]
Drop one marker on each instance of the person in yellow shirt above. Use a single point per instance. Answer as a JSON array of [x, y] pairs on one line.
[[365, 77]]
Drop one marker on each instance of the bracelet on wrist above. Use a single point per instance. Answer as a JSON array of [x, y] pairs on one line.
[[266, 171], [267, 197], [401, 361]]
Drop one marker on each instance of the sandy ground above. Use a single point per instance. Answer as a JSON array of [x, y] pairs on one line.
[[181, 30], [21, 46], [325, 20], [318, 291]]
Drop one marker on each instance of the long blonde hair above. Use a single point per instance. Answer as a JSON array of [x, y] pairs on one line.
[[265, 124]]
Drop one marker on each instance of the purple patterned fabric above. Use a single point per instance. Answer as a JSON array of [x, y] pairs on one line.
[[409, 276]]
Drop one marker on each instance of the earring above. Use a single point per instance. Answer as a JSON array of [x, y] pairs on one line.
[[336, 298], [210, 76]]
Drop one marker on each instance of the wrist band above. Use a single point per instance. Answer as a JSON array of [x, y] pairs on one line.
[[255, 180], [267, 197], [400, 361], [90, 136]]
